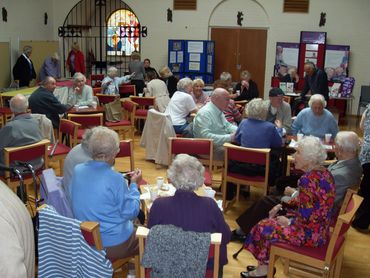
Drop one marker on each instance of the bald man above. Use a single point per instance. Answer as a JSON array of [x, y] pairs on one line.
[[210, 122]]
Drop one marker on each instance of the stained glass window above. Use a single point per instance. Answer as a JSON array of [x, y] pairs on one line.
[[123, 33]]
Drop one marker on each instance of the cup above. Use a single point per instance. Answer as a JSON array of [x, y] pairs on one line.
[[238, 92], [76, 107], [141, 95], [299, 136], [209, 192], [327, 137], [160, 182], [153, 190], [94, 104]]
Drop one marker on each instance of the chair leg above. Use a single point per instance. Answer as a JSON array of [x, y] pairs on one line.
[[270, 273], [137, 266], [338, 264], [61, 167], [237, 192], [286, 266]]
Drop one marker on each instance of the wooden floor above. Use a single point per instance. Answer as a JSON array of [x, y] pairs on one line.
[[356, 261]]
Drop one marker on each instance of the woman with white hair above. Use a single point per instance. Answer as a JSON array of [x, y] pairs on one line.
[[101, 194], [308, 216], [80, 93], [181, 105], [246, 89], [315, 120], [200, 97], [110, 83], [186, 209]]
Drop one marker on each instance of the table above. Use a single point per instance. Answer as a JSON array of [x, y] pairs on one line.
[[86, 110], [25, 91]]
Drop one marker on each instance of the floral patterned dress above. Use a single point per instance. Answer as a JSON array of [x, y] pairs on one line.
[[310, 214]]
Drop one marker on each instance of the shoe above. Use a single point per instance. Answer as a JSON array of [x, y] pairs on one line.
[[246, 274], [251, 267], [236, 237]]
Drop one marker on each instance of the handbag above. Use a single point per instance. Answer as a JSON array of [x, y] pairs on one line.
[[113, 111]]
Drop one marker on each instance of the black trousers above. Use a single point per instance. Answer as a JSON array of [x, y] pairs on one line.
[[362, 219]]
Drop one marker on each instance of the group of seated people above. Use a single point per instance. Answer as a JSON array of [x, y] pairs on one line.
[[312, 198]]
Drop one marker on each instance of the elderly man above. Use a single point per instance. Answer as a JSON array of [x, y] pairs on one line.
[[210, 122], [22, 129], [50, 67], [181, 105], [43, 101], [346, 171], [17, 252], [279, 109], [80, 93], [315, 82], [315, 120], [101, 194], [23, 70]]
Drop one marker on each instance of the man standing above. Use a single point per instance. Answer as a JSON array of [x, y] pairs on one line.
[[210, 122], [279, 109], [315, 82], [43, 101], [50, 67], [23, 70], [22, 129]]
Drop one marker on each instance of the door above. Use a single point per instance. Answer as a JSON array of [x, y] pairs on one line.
[[241, 49]]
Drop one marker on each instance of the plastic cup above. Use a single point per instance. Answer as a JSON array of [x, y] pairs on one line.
[[76, 106], [153, 190], [299, 136], [327, 137], [94, 104], [160, 182], [141, 95]]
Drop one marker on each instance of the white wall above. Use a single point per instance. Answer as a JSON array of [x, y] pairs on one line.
[[347, 22]]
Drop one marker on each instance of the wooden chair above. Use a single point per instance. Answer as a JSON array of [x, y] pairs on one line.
[[24, 154], [127, 90], [103, 99], [96, 90], [127, 123], [244, 155], [143, 106], [68, 131], [324, 261], [96, 80], [126, 150], [86, 121], [91, 233], [195, 147], [142, 234]]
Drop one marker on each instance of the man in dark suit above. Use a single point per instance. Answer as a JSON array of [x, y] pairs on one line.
[[315, 81], [43, 101], [23, 70]]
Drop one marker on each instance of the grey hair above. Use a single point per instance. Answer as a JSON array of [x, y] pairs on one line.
[[111, 71], [245, 75], [18, 104], [183, 83], [86, 138], [257, 109], [317, 98], [103, 144], [312, 150], [186, 173], [348, 141], [78, 76], [27, 49], [225, 76], [47, 80]]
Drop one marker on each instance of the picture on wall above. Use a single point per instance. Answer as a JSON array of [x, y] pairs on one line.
[[336, 62], [286, 57]]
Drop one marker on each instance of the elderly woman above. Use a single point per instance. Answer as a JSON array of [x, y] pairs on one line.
[[181, 105], [308, 218], [186, 209], [362, 220], [101, 194], [200, 97], [110, 83], [169, 79], [158, 89], [136, 68], [246, 89], [80, 93], [315, 120]]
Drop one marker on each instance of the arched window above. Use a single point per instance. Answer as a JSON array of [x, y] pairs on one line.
[[123, 35]]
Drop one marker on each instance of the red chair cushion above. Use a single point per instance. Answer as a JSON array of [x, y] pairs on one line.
[[60, 150], [120, 123], [141, 113]]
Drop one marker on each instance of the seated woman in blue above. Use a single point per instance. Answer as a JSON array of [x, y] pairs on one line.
[[101, 194]]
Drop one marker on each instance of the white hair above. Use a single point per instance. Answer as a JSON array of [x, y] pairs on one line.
[[347, 141], [317, 98], [103, 144], [18, 104], [112, 71], [183, 83], [78, 76], [186, 173], [257, 109], [312, 150], [225, 76]]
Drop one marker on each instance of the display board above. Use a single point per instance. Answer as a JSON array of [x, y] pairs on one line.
[[5, 77], [286, 57], [336, 62]]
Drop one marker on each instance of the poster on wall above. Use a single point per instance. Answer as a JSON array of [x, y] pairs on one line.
[[313, 37], [286, 57], [336, 62]]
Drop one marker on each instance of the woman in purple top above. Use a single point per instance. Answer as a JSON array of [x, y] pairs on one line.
[[186, 209]]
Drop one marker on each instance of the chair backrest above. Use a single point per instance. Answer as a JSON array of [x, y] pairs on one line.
[[96, 90], [129, 110], [103, 99], [126, 90], [96, 79], [365, 94], [192, 146], [246, 155], [142, 234], [87, 120], [69, 130], [126, 150], [143, 101], [343, 223]]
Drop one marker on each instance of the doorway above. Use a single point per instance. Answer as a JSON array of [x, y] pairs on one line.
[[238, 49]]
